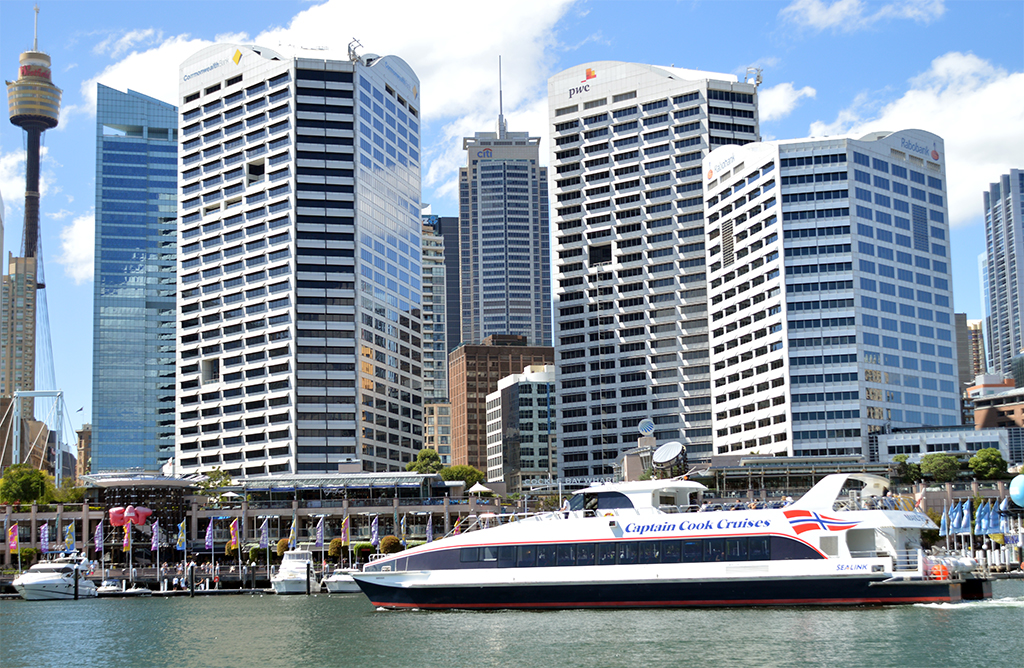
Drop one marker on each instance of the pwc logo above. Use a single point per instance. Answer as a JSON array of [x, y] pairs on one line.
[[584, 87]]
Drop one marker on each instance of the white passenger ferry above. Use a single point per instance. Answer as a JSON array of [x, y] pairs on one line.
[[652, 544]]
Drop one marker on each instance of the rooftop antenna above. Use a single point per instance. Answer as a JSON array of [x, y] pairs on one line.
[[754, 72], [502, 128], [35, 31], [352, 46]]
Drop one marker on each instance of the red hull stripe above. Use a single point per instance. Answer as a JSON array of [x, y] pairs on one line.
[[648, 604]]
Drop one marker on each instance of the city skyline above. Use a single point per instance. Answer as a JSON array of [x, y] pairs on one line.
[[949, 65]]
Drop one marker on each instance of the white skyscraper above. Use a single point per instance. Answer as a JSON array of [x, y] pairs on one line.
[[830, 293], [503, 238], [631, 333], [435, 356], [1004, 270], [299, 263]]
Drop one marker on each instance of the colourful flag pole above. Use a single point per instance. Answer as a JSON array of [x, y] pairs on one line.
[[374, 536], [345, 539], [44, 537], [69, 537], [430, 528], [236, 540], [154, 545], [403, 531], [13, 542], [182, 540], [97, 542]]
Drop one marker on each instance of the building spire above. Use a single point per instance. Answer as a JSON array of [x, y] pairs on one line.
[[35, 32], [502, 126]]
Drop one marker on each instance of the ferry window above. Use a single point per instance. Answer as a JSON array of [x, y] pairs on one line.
[[759, 549], [650, 552], [527, 556], [489, 553], [585, 554], [670, 551], [566, 555], [606, 554], [576, 502], [613, 501], [714, 549], [546, 555], [783, 548], [469, 554], [627, 553], [693, 551], [735, 549], [506, 556]]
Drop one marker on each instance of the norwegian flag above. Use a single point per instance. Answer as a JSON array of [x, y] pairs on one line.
[[807, 520]]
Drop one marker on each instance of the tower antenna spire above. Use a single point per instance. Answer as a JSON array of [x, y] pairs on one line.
[[502, 129], [35, 32]]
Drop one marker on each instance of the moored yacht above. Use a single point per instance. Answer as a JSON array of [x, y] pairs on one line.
[[49, 580], [652, 544], [341, 582], [296, 569]]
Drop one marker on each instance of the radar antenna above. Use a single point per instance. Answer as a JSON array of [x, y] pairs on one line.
[[352, 46], [755, 73]]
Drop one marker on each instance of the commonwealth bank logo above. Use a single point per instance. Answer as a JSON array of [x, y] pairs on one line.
[[237, 57]]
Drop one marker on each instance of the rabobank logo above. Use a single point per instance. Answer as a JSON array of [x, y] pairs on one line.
[[914, 147], [485, 153]]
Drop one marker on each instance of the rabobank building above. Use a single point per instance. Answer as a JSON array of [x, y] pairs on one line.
[[299, 264], [830, 293]]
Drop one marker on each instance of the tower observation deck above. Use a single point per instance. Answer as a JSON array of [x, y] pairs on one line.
[[34, 105]]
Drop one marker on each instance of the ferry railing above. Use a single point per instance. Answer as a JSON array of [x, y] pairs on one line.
[[902, 560]]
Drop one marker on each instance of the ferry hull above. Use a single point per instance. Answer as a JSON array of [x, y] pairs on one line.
[[688, 594]]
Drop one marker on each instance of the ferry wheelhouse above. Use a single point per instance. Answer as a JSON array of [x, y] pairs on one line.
[[654, 544]]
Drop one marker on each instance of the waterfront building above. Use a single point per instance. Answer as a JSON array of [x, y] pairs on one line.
[[505, 258], [134, 282], [830, 295], [631, 294], [962, 442], [521, 417], [473, 373], [299, 244], [437, 430], [435, 313], [1004, 269]]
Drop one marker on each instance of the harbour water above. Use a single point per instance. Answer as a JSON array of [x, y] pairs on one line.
[[344, 630]]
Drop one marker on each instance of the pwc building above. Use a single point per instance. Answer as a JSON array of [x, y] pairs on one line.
[[631, 329], [830, 293], [299, 263]]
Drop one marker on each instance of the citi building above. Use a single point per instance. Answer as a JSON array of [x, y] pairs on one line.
[[299, 333]]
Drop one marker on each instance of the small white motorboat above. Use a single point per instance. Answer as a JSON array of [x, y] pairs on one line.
[[119, 589], [291, 578], [341, 582]]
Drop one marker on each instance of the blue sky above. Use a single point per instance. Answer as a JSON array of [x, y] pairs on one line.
[[830, 67]]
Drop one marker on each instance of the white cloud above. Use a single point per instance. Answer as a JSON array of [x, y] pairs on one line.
[[12, 180], [779, 101], [120, 43], [963, 99], [76, 244], [849, 15], [58, 215]]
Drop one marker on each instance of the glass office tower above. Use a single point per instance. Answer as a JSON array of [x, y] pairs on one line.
[[133, 304]]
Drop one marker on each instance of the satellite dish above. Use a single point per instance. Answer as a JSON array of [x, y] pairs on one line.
[[667, 455], [646, 427]]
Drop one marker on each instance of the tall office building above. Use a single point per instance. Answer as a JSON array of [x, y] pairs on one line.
[[631, 321], [976, 346], [134, 281], [521, 416], [18, 329], [1004, 252], [299, 278], [435, 313], [448, 228], [830, 293], [505, 270], [473, 373]]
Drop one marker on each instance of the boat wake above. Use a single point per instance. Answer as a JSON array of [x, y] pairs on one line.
[[1002, 602]]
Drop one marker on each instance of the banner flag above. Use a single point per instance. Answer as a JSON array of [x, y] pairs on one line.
[[320, 533], [12, 538], [234, 534], [209, 535], [458, 528], [44, 537], [126, 544], [344, 531], [945, 520], [291, 536], [404, 541], [430, 528], [69, 537], [180, 543], [374, 536], [264, 535]]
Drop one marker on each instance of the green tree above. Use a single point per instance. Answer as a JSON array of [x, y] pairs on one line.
[[390, 545], [427, 461], [940, 466], [988, 464], [336, 549], [467, 474], [906, 471], [213, 482], [282, 547], [258, 554], [25, 484]]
